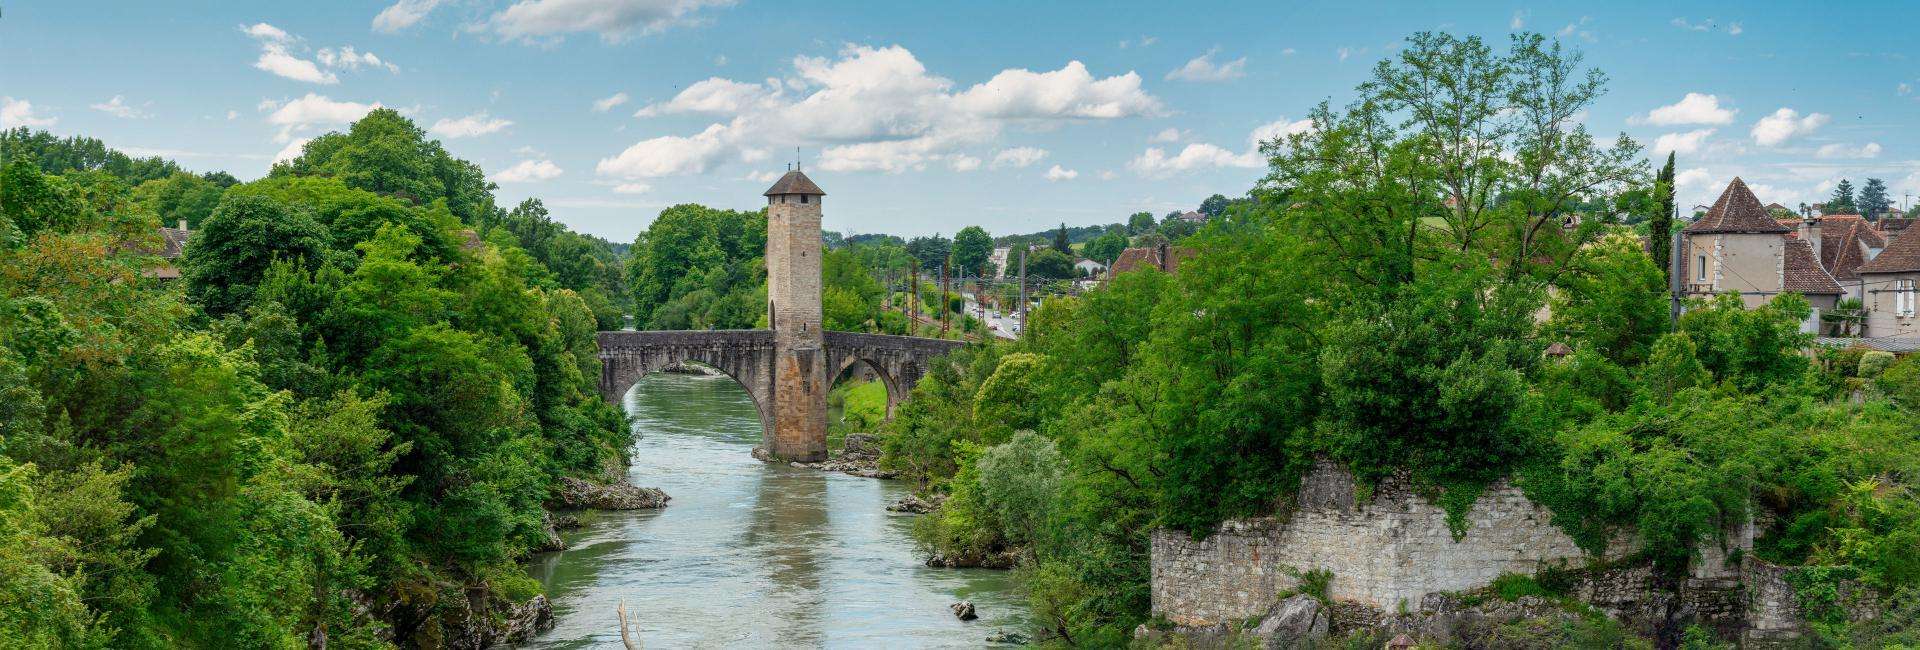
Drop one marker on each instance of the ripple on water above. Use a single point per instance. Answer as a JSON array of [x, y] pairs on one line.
[[751, 553]]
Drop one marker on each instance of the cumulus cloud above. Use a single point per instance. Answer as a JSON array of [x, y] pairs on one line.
[[606, 104], [1519, 20], [1169, 135], [871, 109], [1056, 174], [1695, 108], [1158, 162], [1838, 150], [402, 14], [963, 163], [279, 54], [19, 112], [632, 188], [1681, 143], [472, 125], [1696, 177], [118, 107], [292, 150], [1204, 68], [1682, 23], [1786, 124], [1018, 156], [614, 20], [528, 170], [312, 111]]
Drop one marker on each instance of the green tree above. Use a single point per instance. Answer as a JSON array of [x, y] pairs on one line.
[[1214, 206], [1660, 225], [931, 251], [1841, 201], [1873, 199], [1060, 242], [230, 253], [1106, 248], [1612, 301], [1140, 223], [1050, 264], [972, 249]]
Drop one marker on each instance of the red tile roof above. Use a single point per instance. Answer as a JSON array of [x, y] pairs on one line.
[[1737, 211], [1143, 257], [1802, 273], [1902, 255]]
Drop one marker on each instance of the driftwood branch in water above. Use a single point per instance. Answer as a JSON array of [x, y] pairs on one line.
[[625, 638]]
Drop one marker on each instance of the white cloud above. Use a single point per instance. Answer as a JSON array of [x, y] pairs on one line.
[[1519, 20], [1155, 161], [1169, 135], [1142, 42], [632, 188], [469, 126], [1681, 143], [1786, 124], [1018, 156], [1277, 129], [19, 112], [1347, 52], [402, 14], [347, 58], [233, 115], [292, 150], [1695, 108], [1107, 175], [277, 56], [1734, 29], [1057, 174], [1204, 68], [963, 163], [607, 104], [613, 20], [118, 107], [1288, 52], [1838, 150], [1682, 23], [312, 111], [1903, 89], [1696, 177], [713, 95], [871, 109], [528, 170], [1578, 27]]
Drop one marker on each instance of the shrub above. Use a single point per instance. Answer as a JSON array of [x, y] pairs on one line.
[[1873, 363]]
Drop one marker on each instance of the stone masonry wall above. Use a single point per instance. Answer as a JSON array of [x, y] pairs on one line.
[[1386, 553]]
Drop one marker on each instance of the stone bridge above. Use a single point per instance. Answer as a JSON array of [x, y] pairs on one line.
[[748, 356]]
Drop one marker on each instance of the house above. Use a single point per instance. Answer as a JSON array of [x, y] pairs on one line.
[[1738, 247], [1193, 216], [1888, 289], [173, 242], [1163, 257], [1089, 267], [1845, 241]]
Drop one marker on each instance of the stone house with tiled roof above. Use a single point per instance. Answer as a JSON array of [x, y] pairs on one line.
[[1163, 257], [1738, 246], [173, 243], [1890, 289]]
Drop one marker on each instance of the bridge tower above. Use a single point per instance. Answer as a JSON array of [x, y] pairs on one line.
[[800, 381]]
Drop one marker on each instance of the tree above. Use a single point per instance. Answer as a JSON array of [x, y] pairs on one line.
[[1051, 264], [230, 253], [930, 250], [1214, 206], [972, 249], [1660, 226], [1060, 242], [1140, 223], [1613, 301], [1176, 228], [1873, 199], [1106, 248], [1842, 200]]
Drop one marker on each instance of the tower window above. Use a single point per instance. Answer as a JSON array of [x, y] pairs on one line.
[[1703, 268], [803, 198]]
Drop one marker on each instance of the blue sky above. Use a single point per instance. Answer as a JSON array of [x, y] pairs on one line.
[[927, 117]]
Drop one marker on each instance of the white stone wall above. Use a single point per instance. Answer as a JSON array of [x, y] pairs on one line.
[[1391, 550]]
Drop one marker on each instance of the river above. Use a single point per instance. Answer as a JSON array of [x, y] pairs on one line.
[[753, 554]]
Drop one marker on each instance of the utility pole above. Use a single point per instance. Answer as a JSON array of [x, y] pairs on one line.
[[1023, 289]]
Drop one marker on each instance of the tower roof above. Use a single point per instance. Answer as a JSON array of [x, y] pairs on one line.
[[1737, 211], [794, 183]]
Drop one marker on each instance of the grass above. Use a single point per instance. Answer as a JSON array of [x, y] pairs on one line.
[[854, 406]]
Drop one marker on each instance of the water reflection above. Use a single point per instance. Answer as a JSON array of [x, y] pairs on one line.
[[751, 554]]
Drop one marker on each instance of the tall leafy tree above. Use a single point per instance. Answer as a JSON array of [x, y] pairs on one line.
[[1060, 242], [1214, 206], [1106, 248], [1140, 223], [1873, 199], [230, 253], [972, 248]]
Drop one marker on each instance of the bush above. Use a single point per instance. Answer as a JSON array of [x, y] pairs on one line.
[[1873, 363], [1901, 382], [1018, 481]]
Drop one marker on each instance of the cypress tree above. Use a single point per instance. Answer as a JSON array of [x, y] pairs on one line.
[[1660, 227], [1873, 199]]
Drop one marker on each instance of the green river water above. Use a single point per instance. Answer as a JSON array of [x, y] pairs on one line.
[[752, 554]]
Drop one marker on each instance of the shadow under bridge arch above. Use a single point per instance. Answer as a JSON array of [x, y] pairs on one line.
[[744, 355]]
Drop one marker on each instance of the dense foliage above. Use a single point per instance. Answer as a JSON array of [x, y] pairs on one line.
[[1384, 303], [338, 427]]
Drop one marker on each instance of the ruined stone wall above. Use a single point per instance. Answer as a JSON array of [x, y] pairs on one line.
[[1387, 552]]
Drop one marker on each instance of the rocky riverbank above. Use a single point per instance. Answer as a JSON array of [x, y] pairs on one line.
[[859, 456]]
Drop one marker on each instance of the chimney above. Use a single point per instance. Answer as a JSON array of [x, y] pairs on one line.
[[1163, 257], [183, 225]]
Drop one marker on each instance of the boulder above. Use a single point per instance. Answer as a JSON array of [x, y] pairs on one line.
[[550, 539], [1299, 621], [963, 610], [1004, 636], [860, 446], [913, 504], [575, 493]]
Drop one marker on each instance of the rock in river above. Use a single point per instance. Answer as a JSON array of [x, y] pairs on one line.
[[576, 493], [963, 610]]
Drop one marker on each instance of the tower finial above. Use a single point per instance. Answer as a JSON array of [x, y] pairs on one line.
[[796, 157]]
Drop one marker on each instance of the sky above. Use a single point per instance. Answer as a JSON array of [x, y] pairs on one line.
[[921, 118]]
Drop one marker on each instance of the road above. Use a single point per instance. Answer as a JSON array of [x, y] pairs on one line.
[[1004, 325]]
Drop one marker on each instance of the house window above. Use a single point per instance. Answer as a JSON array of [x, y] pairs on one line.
[[1903, 297], [1702, 273]]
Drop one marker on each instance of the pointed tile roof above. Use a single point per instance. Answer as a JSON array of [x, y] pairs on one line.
[[1801, 272], [794, 183], [1902, 255], [1737, 211]]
